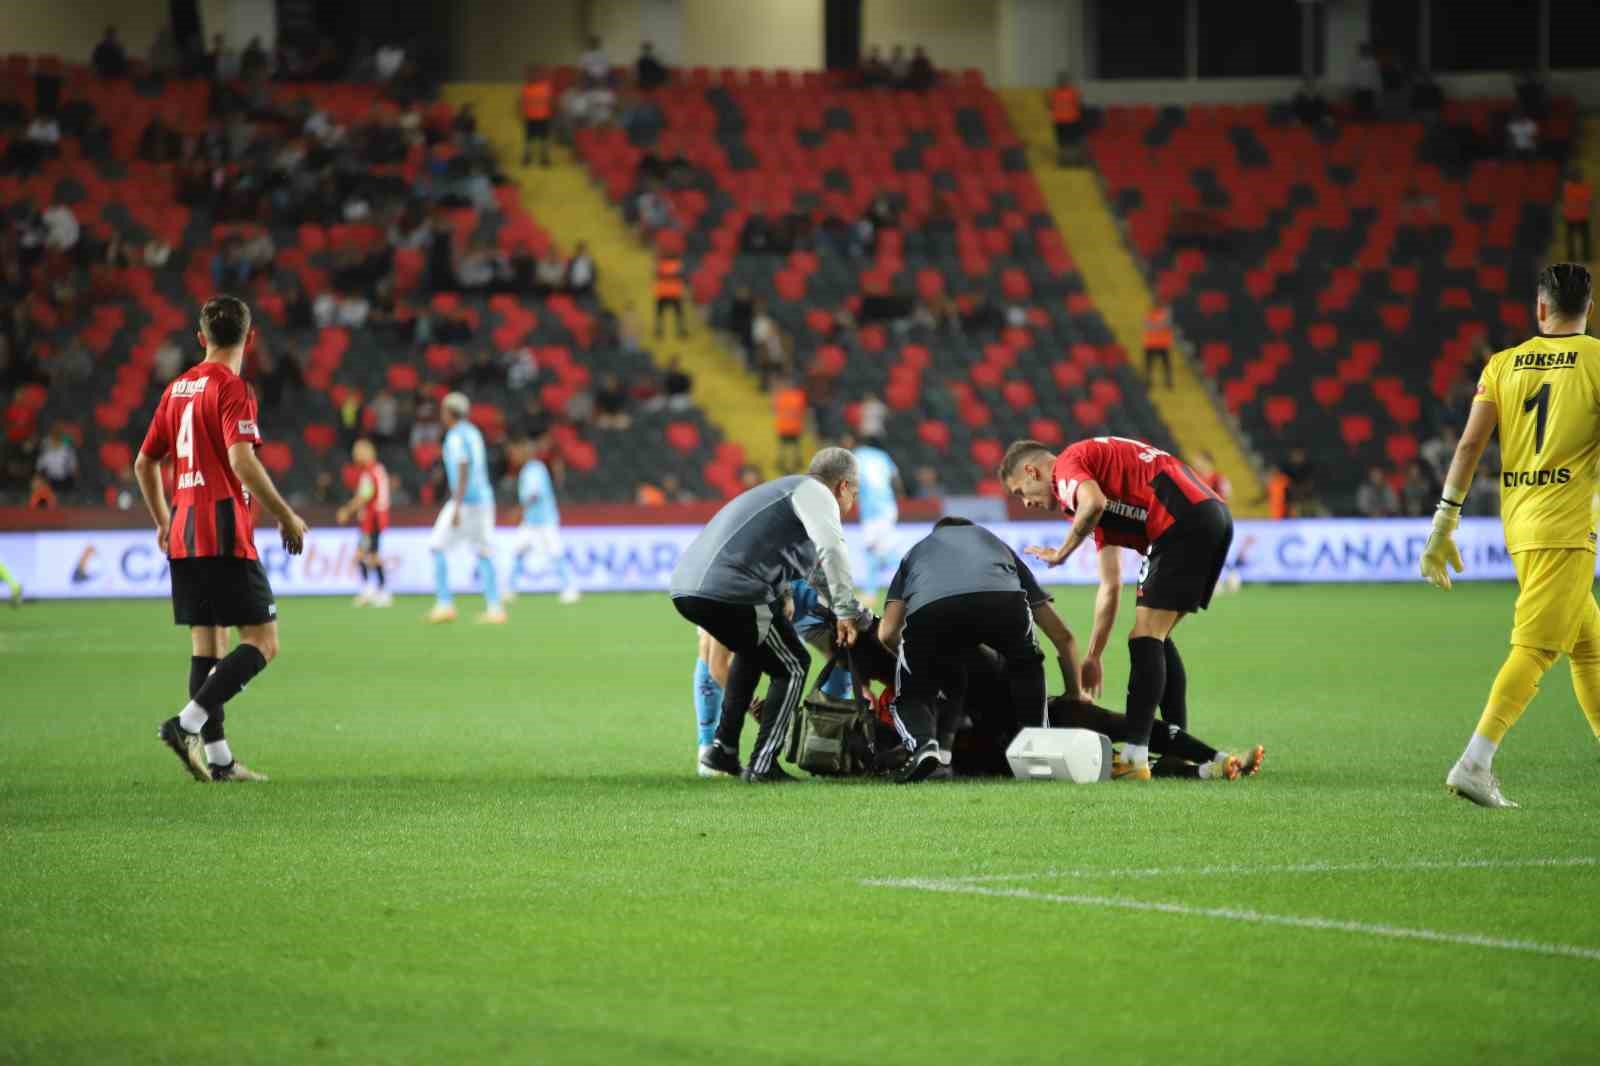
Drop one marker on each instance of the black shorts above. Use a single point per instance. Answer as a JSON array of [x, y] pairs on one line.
[[536, 129], [1183, 566], [369, 541], [1068, 133], [221, 591]]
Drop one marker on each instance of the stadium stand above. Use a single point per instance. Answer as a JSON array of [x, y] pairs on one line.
[[344, 217], [1337, 282], [899, 243]]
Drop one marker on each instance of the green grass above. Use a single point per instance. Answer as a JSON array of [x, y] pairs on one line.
[[487, 845]]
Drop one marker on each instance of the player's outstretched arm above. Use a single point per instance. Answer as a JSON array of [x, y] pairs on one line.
[[1440, 555], [253, 476], [1106, 601], [147, 472], [1089, 506], [1065, 644]]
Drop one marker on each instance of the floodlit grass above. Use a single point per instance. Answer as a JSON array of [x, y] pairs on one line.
[[486, 844]]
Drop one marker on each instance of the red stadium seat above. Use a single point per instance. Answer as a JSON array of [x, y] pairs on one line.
[[1019, 394], [116, 456], [1280, 411], [1069, 376], [987, 452], [683, 437], [320, 436], [1356, 430], [934, 434], [1401, 448], [275, 456], [1047, 431]]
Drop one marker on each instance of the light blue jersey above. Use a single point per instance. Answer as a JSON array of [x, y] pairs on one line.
[[878, 473], [464, 444], [537, 494]]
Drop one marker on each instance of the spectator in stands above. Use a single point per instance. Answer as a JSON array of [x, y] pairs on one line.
[[755, 236], [1158, 341], [874, 71], [672, 488], [1066, 112], [229, 270], [611, 404], [385, 413], [767, 345], [1309, 107], [921, 75], [254, 63], [1577, 205], [1366, 82], [789, 408], [653, 209], [928, 485], [1436, 452], [168, 360], [41, 497], [899, 66], [676, 386], [61, 229], [58, 462], [1418, 492], [223, 61], [1376, 498], [648, 71], [109, 60], [426, 432], [482, 267], [669, 291], [1533, 96], [594, 67], [522, 368], [550, 274], [580, 272], [388, 61], [1522, 136], [279, 375], [41, 140], [871, 416], [1301, 496], [1426, 95], [160, 142], [648, 495]]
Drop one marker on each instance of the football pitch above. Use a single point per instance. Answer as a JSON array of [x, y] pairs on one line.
[[487, 844]]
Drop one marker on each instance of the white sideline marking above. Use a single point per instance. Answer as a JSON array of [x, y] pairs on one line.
[[1247, 868], [1234, 914]]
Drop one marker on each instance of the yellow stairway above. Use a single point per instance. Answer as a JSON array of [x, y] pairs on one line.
[[571, 208], [1120, 292]]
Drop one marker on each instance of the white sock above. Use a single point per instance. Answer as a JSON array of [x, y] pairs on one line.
[[1214, 768], [192, 717], [1137, 754], [1480, 750], [217, 753]]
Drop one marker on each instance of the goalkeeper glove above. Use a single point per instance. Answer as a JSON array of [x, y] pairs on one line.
[[1441, 547]]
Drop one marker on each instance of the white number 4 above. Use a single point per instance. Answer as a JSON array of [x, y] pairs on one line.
[[185, 445]]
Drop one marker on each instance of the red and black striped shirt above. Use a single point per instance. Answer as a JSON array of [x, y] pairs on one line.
[[207, 410]]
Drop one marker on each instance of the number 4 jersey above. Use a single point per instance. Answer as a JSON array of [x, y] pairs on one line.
[[201, 415], [1546, 392], [1147, 490]]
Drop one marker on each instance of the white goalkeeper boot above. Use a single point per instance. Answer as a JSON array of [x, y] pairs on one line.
[[1473, 782]]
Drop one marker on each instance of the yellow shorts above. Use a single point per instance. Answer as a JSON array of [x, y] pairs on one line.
[[1555, 604]]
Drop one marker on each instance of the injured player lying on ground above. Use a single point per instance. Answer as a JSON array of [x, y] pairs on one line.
[[976, 719]]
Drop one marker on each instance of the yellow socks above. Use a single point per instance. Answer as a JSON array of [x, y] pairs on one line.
[[1514, 688]]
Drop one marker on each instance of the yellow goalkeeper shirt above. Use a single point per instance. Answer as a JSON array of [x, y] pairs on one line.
[[1546, 392]]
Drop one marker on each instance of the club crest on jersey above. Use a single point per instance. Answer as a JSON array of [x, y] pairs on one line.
[[194, 479], [189, 387]]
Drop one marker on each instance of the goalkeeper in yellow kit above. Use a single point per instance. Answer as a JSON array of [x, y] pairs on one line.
[[1544, 396]]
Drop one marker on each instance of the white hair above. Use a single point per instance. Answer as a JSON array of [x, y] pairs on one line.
[[833, 465], [457, 404]]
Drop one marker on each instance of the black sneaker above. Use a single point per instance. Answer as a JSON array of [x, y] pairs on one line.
[[923, 761], [775, 775], [721, 760], [187, 746]]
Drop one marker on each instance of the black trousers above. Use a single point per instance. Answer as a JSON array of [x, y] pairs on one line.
[[675, 305], [1152, 356], [933, 644], [763, 641]]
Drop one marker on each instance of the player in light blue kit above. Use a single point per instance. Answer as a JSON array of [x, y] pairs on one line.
[[468, 516], [539, 534], [880, 510]]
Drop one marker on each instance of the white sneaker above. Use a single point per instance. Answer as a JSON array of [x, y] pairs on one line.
[[701, 768], [384, 598], [570, 595], [1473, 782], [362, 599]]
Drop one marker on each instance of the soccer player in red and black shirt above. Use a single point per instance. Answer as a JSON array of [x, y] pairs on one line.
[[1130, 494], [371, 503], [207, 420]]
